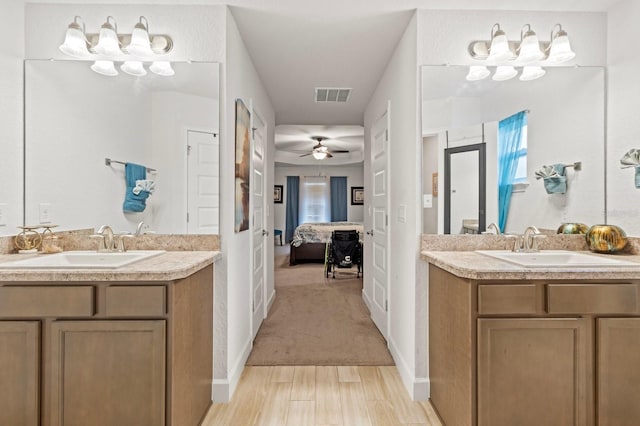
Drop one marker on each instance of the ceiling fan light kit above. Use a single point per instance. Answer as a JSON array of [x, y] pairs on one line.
[[320, 151]]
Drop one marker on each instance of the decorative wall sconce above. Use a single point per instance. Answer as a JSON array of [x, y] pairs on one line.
[[529, 53], [107, 47]]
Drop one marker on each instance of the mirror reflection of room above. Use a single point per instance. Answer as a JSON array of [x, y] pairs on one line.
[[562, 122], [166, 125]]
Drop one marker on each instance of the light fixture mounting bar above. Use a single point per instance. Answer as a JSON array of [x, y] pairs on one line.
[[160, 43]]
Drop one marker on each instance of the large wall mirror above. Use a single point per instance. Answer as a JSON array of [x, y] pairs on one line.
[[75, 119], [565, 124]]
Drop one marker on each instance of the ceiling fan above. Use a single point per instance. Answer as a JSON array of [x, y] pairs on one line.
[[320, 151]]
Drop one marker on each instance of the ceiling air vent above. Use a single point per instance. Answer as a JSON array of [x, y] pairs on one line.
[[332, 94]]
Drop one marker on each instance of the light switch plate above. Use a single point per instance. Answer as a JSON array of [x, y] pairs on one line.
[[45, 213], [427, 201], [402, 213]]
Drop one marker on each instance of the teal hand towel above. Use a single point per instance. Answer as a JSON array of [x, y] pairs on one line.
[[557, 182], [134, 202]]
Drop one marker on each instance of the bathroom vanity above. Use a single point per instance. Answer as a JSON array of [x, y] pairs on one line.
[[126, 346], [510, 345]]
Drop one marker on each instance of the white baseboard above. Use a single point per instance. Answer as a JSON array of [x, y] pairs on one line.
[[417, 387], [270, 300], [366, 299], [223, 389]]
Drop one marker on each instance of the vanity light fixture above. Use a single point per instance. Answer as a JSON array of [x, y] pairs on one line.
[[529, 49], [75, 41], [532, 72], [504, 72], [140, 44], [478, 72], [108, 43], [162, 68], [134, 68], [105, 68], [560, 48], [531, 53], [107, 46]]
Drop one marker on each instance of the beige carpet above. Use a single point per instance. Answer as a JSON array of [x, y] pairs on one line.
[[317, 321]]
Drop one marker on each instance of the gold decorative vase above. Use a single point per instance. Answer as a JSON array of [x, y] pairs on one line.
[[606, 238], [573, 228]]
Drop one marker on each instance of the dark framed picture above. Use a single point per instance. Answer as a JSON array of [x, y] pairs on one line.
[[277, 194], [243, 184], [357, 195]]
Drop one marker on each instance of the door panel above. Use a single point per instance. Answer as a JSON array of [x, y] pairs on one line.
[[378, 238], [202, 182], [258, 227]]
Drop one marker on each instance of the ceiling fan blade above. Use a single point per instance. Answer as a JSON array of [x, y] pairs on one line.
[[329, 155], [339, 151], [304, 155]]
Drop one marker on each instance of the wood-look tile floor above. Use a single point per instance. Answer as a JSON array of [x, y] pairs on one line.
[[317, 396]]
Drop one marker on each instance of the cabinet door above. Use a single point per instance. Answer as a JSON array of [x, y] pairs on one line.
[[618, 361], [106, 373], [19, 370], [532, 372]]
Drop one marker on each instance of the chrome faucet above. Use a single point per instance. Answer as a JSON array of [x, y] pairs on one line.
[[493, 227], [106, 243], [139, 228], [109, 242], [530, 238]]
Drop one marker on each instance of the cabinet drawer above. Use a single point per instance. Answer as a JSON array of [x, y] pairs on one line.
[[507, 299], [592, 298], [47, 301], [136, 301]]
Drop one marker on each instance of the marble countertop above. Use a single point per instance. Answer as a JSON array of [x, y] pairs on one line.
[[168, 266], [475, 266]]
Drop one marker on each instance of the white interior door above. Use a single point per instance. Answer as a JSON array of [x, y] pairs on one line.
[[465, 193], [258, 200], [202, 182], [378, 235]]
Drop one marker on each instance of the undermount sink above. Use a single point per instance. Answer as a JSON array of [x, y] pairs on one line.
[[558, 259], [81, 260]]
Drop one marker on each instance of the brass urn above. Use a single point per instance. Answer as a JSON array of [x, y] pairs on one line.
[[606, 238], [573, 228]]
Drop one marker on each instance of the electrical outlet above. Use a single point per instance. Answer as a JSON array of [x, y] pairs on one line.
[[3, 215], [45, 213]]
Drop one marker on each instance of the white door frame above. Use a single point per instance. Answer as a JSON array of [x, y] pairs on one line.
[[185, 132]]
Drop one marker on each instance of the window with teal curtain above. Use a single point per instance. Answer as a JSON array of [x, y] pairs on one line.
[[339, 207], [293, 191], [510, 154]]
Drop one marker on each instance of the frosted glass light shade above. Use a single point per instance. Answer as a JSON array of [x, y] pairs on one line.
[[140, 44], [105, 68], [532, 72], [134, 68], [108, 43], [560, 50], [530, 49], [75, 42], [478, 72], [499, 50], [162, 68], [319, 155], [504, 72]]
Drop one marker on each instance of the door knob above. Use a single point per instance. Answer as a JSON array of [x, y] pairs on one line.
[[370, 232], [265, 232]]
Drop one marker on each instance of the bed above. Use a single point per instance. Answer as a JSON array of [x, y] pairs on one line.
[[309, 240]]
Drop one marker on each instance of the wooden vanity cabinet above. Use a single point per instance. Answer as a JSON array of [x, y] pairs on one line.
[[19, 372], [534, 352], [106, 353]]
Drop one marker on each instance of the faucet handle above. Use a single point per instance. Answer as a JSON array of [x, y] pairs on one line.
[[102, 243], [518, 242], [533, 242], [119, 242]]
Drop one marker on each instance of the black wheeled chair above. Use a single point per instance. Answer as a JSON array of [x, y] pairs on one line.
[[344, 251]]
